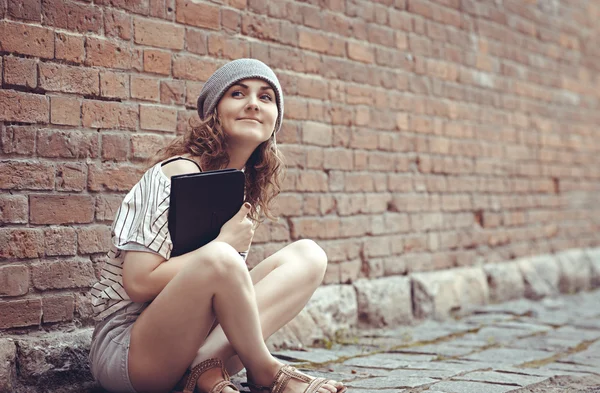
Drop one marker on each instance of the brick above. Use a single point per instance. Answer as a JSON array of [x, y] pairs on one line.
[[338, 159], [26, 39], [20, 313], [69, 47], [157, 61], [72, 16], [107, 53], [107, 207], [117, 24], [172, 92], [313, 41], [58, 308], [115, 147], [316, 134], [65, 111], [18, 140], [114, 85], [158, 118], [158, 34], [68, 79], [68, 144], [228, 48], [231, 20], [146, 89], [145, 146], [76, 273], [23, 107], [14, 209], [311, 181], [61, 209], [101, 114], [196, 41], [317, 228], [111, 177], [21, 243], [14, 280], [260, 27], [20, 72], [158, 9], [192, 92], [22, 175], [141, 7], [30, 10], [71, 176], [93, 239], [360, 52], [197, 14], [60, 241], [192, 68]]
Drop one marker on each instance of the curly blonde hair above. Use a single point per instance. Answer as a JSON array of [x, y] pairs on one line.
[[264, 170]]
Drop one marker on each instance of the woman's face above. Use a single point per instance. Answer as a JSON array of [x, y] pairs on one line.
[[248, 111]]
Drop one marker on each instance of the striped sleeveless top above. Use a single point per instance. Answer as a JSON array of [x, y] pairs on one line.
[[141, 224]]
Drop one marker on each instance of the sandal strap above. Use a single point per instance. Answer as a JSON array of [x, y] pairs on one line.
[[283, 377], [199, 369], [219, 386]]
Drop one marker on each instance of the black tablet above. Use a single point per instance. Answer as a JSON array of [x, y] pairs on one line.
[[200, 203]]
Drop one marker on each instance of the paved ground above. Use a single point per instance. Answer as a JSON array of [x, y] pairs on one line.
[[523, 346]]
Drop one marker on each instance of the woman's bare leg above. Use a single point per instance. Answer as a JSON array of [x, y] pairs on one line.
[[284, 282], [166, 336]]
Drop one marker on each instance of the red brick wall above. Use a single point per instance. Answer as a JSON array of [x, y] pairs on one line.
[[420, 135]]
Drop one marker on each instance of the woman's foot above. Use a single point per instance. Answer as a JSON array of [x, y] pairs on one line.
[[209, 379], [293, 381]]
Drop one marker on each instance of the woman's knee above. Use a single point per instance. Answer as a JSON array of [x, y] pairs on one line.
[[221, 261], [313, 256]]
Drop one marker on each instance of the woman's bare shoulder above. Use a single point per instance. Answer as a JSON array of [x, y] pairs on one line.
[[179, 167]]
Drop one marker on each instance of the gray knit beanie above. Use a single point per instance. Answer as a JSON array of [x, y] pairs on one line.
[[233, 72]]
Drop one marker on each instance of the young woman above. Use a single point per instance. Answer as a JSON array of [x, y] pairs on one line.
[[188, 322]]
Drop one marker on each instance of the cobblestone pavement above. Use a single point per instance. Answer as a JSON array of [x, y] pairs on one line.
[[551, 345]]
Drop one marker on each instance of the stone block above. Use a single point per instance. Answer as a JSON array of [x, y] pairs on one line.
[[594, 257], [55, 357], [505, 281], [438, 294], [384, 302], [334, 309], [302, 331], [8, 354], [541, 275], [575, 271]]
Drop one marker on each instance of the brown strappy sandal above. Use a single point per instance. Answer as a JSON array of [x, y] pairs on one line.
[[198, 370], [282, 378]]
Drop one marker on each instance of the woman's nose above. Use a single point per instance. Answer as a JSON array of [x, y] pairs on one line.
[[252, 104]]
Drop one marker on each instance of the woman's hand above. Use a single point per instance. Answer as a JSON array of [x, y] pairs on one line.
[[238, 231]]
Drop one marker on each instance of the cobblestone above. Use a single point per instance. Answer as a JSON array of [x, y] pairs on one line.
[[518, 346]]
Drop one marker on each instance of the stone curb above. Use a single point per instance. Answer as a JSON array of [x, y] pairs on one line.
[[52, 358]]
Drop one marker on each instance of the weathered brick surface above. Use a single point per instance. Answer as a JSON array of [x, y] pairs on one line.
[[100, 114], [26, 39], [19, 175], [23, 107], [61, 209], [60, 241], [75, 273], [21, 243], [68, 79], [58, 308], [69, 47], [14, 280], [418, 135], [71, 176], [21, 72], [20, 313], [18, 140], [68, 144], [14, 209]]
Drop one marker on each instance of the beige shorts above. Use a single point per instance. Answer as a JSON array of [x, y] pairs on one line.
[[110, 349]]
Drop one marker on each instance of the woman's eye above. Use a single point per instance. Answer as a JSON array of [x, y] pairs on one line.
[[268, 97], [236, 92]]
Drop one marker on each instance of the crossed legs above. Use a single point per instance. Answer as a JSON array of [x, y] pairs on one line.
[[172, 333]]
